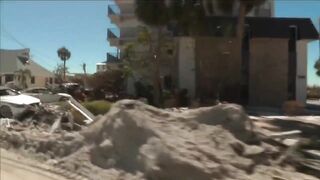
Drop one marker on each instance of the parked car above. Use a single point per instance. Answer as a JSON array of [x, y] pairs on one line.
[[45, 95], [12, 102]]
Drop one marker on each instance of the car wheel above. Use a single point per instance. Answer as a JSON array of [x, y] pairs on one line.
[[6, 112]]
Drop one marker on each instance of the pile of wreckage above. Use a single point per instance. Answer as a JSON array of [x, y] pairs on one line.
[[137, 141]]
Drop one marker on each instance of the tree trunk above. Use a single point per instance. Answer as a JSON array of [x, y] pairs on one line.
[[241, 21], [64, 71], [240, 34], [157, 79]]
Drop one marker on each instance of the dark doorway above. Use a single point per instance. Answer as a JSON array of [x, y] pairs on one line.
[[245, 65], [292, 62]]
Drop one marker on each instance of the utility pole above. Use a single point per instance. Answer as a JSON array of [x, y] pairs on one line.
[[84, 67]]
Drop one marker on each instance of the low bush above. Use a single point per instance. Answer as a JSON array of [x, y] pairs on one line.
[[97, 107], [293, 108], [313, 92]]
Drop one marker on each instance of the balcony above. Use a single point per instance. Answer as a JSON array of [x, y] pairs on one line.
[[113, 57], [119, 16], [114, 13], [124, 4], [118, 37]]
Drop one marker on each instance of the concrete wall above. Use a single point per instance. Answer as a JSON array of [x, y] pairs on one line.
[[301, 79], [218, 67], [186, 65], [268, 72]]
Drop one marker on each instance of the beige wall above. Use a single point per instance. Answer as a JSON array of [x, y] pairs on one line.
[[268, 72], [218, 63], [39, 82], [186, 65], [301, 81]]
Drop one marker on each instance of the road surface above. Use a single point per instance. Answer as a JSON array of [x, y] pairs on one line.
[[15, 167]]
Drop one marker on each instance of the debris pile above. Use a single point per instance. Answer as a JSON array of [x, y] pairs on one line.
[[138, 141], [47, 118]]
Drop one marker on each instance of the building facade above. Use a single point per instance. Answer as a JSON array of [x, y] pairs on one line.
[[101, 67], [13, 65], [269, 69], [122, 14]]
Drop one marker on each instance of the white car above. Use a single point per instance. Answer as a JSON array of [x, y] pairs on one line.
[[45, 95], [12, 103]]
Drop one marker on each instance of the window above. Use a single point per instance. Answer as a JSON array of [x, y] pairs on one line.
[[50, 80], [8, 78], [32, 80]]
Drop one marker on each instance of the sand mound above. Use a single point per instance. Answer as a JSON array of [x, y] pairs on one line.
[[206, 143], [137, 141]]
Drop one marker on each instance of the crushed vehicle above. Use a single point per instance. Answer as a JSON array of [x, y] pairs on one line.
[[45, 95], [13, 103]]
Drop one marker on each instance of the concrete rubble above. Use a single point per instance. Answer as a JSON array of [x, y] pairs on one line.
[[137, 141]]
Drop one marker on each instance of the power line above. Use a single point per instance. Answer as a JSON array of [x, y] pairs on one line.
[[12, 37]]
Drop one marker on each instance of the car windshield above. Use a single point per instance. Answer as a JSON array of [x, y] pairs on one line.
[[8, 92], [41, 91]]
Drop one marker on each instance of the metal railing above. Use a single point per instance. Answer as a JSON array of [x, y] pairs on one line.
[[113, 56], [123, 33], [113, 10], [113, 33]]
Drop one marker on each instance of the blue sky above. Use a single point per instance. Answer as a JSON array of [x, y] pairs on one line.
[[81, 26]]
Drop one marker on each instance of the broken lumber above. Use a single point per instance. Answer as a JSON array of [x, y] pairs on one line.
[[285, 134]]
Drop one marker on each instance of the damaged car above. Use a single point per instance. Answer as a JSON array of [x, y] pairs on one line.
[[45, 95], [13, 103]]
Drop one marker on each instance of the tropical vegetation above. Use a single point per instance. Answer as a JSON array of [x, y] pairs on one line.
[[64, 54]]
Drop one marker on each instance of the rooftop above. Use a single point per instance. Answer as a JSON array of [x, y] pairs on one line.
[[260, 27]]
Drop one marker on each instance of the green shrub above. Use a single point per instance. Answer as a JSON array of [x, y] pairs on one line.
[[97, 107]]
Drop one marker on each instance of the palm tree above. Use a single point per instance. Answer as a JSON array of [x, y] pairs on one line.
[[317, 67], [64, 54], [24, 75]]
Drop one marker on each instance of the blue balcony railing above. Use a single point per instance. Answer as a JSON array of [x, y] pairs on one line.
[[113, 9], [113, 57], [113, 33]]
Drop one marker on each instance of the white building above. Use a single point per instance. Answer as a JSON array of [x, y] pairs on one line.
[[101, 67], [13, 61]]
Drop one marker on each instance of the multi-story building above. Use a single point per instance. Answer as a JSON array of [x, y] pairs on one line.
[[269, 69], [122, 14], [128, 27]]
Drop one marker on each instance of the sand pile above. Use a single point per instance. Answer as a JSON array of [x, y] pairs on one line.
[[137, 141]]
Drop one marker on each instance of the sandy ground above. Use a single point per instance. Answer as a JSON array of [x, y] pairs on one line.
[[14, 167]]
